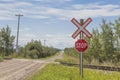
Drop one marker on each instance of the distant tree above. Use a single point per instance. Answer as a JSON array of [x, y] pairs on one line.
[[116, 26], [117, 32], [107, 37], [35, 49], [96, 45], [1, 45], [104, 44], [71, 52], [7, 40]]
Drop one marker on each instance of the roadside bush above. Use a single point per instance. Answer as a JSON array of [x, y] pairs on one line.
[[1, 58]]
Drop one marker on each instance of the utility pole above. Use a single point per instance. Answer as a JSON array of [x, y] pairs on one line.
[[19, 15], [44, 42]]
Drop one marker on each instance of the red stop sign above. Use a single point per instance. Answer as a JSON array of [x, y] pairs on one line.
[[81, 45]]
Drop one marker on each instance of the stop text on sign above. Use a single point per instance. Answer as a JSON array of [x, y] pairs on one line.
[[81, 45]]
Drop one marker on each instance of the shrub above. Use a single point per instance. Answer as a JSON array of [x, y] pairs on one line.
[[1, 58]]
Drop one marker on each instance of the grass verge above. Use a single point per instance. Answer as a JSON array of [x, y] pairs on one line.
[[61, 72], [68, 59], [44, 58], [1, 58]]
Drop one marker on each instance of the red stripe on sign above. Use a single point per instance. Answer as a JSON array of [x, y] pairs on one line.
[[75, 34], [87, 33], [75, 22]]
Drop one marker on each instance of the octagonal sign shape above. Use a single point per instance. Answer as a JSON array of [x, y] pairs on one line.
[[81, 45]]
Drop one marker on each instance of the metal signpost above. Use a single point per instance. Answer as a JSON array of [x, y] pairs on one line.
[[81, 45]]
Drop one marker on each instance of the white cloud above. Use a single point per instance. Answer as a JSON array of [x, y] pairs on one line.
[[94, 6], [7, 0], [77, 10], [37, 16], [26, 29], [59, 40], [83, 11], [54, 1], [33, 10], [8, 10], [55, 40]]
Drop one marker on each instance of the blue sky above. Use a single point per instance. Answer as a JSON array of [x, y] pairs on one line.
[[50, 19]]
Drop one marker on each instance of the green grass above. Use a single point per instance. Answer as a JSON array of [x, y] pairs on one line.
[[44, 58], [68, 59], [61, 72], [48, 57], [1, 58]]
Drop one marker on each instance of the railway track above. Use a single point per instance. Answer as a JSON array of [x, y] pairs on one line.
[[107, 68]]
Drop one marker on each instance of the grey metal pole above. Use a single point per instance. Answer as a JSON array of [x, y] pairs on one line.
[[81, 54], [44, 42], [19, 15]]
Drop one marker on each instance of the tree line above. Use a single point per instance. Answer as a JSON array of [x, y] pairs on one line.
[[6, 42], [104, 44], [33, 49]]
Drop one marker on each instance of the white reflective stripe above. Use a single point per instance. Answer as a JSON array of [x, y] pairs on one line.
[[84, 25], [76, 23], [76, 33], [87, 33], [87, 22]]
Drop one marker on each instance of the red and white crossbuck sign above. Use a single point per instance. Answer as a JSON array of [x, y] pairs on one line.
[[81, 28]]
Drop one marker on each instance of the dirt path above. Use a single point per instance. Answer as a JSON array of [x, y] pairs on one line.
[[19, 69]]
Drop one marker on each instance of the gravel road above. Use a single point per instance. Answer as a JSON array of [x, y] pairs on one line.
[[20, 69]]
